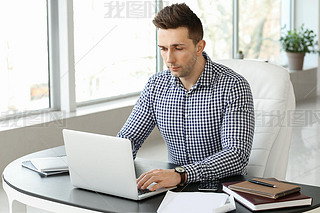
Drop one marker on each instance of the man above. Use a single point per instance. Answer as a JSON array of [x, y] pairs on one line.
[[204, 110]]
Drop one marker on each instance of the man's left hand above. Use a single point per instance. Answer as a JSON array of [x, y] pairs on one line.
[[163, 178]]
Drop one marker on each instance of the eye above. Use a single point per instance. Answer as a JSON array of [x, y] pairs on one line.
[[177, 48]]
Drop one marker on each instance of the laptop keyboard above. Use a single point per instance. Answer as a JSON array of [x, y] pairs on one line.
[[143, 191]]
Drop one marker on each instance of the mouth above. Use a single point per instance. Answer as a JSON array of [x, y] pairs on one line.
[[174, 68]]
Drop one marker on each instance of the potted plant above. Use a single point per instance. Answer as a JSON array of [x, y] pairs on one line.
[[240, 55], [297, 43]]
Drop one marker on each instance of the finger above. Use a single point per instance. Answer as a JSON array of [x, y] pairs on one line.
[[143, 181], [148, 181], [146, 173], [141, 176], [156, 186]]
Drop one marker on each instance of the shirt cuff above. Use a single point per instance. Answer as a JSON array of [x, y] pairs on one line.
[[193, 172]]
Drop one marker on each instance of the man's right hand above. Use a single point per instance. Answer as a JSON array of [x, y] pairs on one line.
[[162, 178]]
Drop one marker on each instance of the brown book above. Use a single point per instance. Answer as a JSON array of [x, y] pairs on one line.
[[258, 203], [280, 189]]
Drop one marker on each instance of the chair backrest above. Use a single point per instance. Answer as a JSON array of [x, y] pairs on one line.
[[274, 103]]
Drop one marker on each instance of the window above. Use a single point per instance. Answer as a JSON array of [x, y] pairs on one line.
[[217, 25], [115, 47], [23, 56], [259, 29]]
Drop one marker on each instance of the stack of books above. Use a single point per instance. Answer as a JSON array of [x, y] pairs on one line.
[[265, 194]]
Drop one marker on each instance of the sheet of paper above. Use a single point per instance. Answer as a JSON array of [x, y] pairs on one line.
[[196, 202]]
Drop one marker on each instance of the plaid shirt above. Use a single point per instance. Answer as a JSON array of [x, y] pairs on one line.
[[208, 129]]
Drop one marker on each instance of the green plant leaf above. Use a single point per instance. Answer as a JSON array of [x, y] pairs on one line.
[[301, 41]]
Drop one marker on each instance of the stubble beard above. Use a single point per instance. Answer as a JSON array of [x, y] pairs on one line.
[[185, 70]]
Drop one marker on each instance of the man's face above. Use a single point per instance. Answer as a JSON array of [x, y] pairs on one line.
[[177, 51]]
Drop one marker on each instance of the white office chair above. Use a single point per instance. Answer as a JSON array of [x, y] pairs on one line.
[[274, 103]]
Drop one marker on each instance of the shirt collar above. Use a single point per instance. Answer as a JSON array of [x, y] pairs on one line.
[[205, 78]]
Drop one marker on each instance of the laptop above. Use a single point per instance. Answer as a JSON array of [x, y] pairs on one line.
[[103, 164]]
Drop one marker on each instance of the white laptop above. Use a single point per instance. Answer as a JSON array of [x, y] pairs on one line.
[[103, 164]]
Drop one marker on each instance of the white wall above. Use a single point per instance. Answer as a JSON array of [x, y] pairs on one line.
[[307, 13]]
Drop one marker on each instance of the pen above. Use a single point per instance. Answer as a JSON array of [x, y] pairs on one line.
[[262, 183]]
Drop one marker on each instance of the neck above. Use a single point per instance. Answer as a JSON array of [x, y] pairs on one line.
[[190, 80]]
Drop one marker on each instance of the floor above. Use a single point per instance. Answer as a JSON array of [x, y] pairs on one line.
[[304, 156], [304, 160]]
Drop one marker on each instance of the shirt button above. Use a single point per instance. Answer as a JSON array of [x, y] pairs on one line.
[[186, 115], [189, 156]]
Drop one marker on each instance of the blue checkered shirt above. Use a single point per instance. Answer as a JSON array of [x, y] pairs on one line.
[[208, 129]]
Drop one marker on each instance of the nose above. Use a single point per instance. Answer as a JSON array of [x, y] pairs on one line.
[[170, 57]]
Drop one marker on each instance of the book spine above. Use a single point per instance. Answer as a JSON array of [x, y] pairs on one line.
[[282, 194]]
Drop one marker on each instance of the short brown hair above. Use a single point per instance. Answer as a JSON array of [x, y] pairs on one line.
[[180, 15]]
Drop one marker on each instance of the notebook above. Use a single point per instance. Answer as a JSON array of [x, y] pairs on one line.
[[103, 164], [50, 164], [281, 189], [258, 203]]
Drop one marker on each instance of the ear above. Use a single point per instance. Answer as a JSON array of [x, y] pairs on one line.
[[200, 47]]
